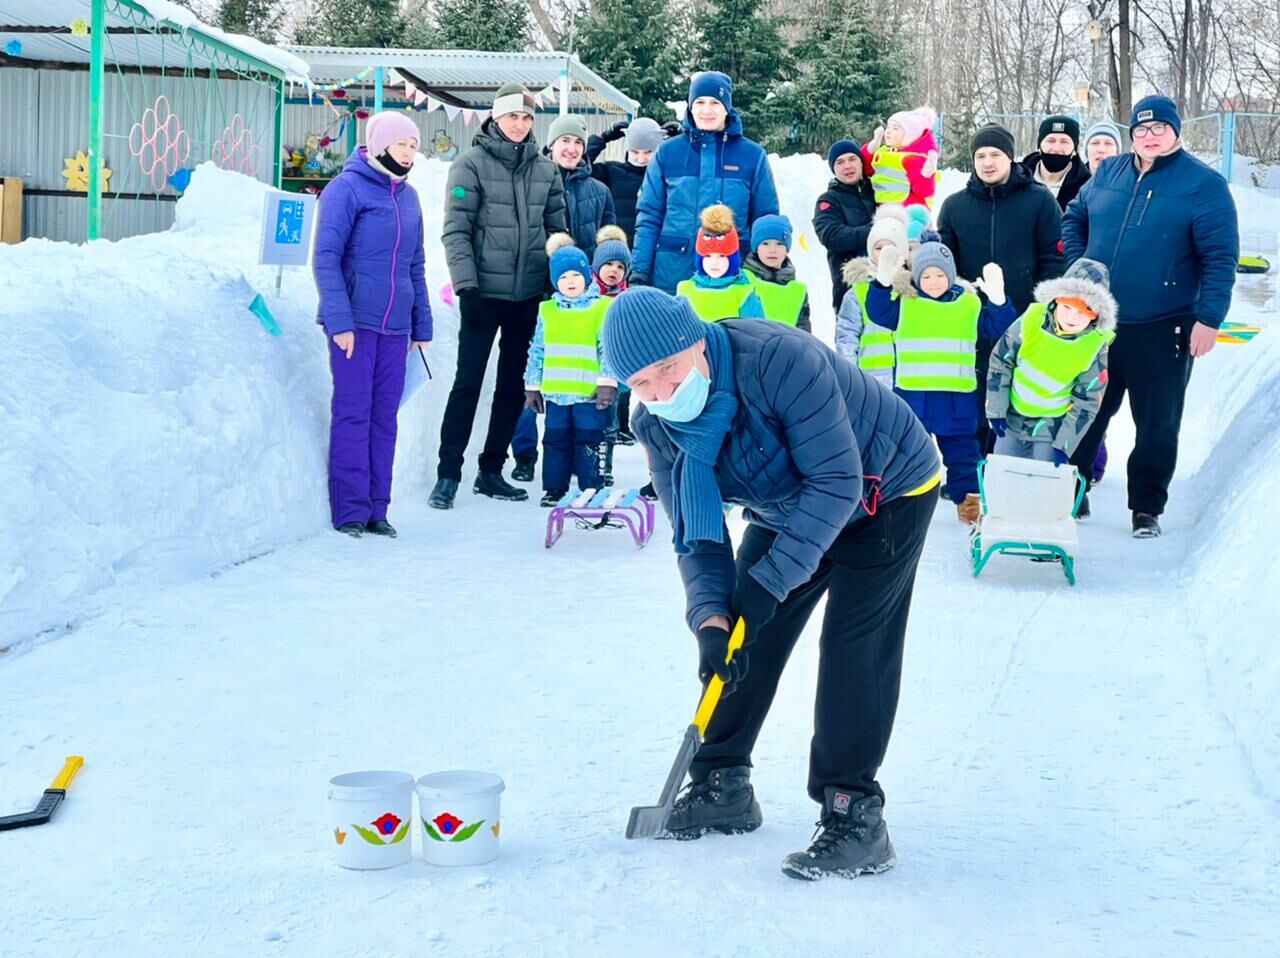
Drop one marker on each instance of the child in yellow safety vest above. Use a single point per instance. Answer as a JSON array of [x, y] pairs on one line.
[[936, 324], [901, 161], [719, 288], [858, 339], [567, 376], [784, 298], [1049, 369]]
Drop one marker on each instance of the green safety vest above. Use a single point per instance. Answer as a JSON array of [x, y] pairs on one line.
[[570, 340], [782, 302], [1048, 365], [875, 348], [888, 177], [938, 344], [713, 305]]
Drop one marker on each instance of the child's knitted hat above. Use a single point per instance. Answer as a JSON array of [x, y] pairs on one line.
[[933, 253], [611, 247], [772, 226], [563, 257], [716, 232], [889, 224], [914, 123]]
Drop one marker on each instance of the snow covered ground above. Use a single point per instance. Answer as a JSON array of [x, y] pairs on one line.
[[1092, 768]]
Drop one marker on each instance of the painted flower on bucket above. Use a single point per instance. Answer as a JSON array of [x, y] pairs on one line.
[[447, 823], [387, 824]]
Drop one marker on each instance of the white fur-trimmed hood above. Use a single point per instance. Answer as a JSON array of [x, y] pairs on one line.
[[1098, 298]]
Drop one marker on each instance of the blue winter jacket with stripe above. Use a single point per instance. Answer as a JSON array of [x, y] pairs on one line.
[[368, 261], [688, 174], [814, 443], [1169, 237]]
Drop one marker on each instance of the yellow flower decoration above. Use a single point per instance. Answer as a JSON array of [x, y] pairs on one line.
[[76, 173], [79, 27]]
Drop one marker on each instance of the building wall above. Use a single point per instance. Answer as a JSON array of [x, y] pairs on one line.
[[45, 121]]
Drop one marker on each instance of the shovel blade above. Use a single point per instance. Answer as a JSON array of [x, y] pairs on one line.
[[650, 821]]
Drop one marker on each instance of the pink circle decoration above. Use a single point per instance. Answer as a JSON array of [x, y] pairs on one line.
[[159, 143], [236, 150]]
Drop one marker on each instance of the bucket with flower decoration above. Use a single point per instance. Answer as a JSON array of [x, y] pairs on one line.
[[460, 814], [371, 814]]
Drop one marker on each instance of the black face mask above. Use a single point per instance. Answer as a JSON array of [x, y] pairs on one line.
[[388, 161], [1054, 162]]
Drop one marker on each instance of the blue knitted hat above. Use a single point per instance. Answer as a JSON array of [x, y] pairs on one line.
[[839, 148], [567, 258], [772, 226], [1155, 109], [712, 84], [644, 325]]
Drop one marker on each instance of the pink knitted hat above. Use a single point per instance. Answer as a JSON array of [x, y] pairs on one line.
[[914, 123], [387, 127]]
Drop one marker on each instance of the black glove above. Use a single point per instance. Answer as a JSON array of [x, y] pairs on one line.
[[605, 396], [616, 132], [533, 400], [713, 647], [469, 303], [1000, 426], [673, 128], [752, 603]]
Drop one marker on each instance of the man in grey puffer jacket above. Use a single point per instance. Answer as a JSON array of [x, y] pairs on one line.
[[502, 201]]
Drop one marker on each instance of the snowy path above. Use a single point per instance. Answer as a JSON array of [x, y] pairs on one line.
[[1059, 776]]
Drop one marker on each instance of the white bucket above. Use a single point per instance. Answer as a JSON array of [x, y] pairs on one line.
[[371, 814], [460, 815]]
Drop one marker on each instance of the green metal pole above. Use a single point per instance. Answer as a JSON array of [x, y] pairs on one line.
[[277, 168], [377, 90], [98, 28], [352, 123]]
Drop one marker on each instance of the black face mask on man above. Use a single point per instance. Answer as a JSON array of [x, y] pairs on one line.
[[1054, 162]]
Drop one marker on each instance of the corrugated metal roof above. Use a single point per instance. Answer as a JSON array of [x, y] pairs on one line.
[[469, 75], [159, 42]]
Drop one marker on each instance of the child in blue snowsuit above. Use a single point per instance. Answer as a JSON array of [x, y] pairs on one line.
[[937, 324]]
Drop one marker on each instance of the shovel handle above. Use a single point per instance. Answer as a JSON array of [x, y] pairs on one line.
[[73, 764], [715, 688]]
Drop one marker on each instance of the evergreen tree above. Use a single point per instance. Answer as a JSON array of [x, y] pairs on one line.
[[737, 38], [355, 23], [260, 19], [641, 47], [498, 25], [852, 76]]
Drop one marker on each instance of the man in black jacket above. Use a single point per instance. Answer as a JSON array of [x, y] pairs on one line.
[[843, 214], [1057, 165], [643, 137], [1002, 216]]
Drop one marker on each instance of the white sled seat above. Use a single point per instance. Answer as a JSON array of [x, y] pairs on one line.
[[1028, 509]]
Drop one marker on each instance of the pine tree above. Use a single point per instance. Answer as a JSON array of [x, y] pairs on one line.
[[736, 37], [260, 19], [355, 23], [498, 25], [851, 77], [641, 46]]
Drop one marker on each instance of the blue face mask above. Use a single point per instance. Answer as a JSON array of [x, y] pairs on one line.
[[687, 402]]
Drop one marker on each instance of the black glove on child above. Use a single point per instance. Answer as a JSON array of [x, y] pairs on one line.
[[616, 132], [605, 396], [713, 646], [533, 400], [752, 603], [672, 128]]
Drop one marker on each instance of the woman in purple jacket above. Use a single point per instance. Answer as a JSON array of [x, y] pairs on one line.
[[370, 274]]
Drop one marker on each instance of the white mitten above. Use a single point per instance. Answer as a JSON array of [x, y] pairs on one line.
[[930, 165], [877, 139], [891, 260], [992, 283]]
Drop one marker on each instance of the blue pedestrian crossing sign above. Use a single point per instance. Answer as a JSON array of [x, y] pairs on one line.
[[287, 223]]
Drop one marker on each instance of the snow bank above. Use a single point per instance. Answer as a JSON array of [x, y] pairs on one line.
[[153, 430]]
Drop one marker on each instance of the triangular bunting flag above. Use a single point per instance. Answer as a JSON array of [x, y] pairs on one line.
[[418, 97], [482, 115], [467, 117], [452, 111], [432, 103], [537, 99], [409, 89]]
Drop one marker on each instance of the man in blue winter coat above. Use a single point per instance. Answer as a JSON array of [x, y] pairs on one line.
[[711, 163], [1165, 225]]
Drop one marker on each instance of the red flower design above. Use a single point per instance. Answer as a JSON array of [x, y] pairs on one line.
[[387, 824], [446, 823]]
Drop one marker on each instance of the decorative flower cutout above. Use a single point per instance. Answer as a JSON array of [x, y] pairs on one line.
[[159, 142], [236, 149]]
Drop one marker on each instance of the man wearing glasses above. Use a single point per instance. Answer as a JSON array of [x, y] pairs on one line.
[[1165, 225]]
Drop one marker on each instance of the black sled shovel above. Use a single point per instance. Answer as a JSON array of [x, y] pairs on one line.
[[649, 821], [49, 802]]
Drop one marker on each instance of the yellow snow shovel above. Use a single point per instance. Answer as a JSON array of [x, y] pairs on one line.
[[649, 821]]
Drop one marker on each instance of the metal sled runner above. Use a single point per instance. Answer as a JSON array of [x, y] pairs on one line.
[[598, 508], [1028, 510]]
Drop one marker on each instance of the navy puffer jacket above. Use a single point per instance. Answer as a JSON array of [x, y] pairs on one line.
[[814, 443], [589, 205]]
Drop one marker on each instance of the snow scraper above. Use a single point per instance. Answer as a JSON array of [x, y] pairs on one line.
[[650, 821], [48, 804]]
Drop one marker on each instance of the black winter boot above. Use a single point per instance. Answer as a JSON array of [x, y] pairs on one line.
[[853, 840], [648, 492], [551, 497], [492, 484], [725, 802], [353, 529], [1084, 512], [523, 472], [1145, 526], [381, 527], [443, 494]]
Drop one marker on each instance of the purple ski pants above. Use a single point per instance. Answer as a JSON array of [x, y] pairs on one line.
[[362, 432]]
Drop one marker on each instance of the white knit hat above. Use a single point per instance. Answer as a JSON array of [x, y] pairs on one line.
[[890, 224]]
